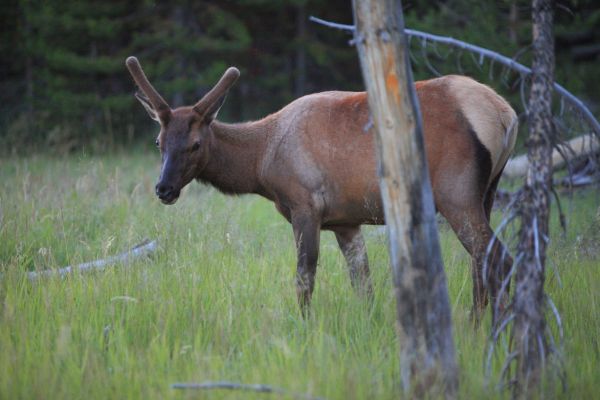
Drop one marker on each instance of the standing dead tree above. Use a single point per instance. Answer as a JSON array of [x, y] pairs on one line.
[[529, 328], [531, 343], [423, 312]]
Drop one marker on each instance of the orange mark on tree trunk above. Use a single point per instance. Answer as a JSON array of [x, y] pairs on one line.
[[391, 79]]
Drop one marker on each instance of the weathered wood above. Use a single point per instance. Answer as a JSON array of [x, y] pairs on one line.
[[580, 146], [423, 312], [529, 329], [259, 388], [143, 249]]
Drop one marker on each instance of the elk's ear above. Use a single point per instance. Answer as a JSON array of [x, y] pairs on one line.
[[146, 103]]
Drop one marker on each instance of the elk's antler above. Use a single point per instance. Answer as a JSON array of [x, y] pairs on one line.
[[228, 79], [159, 104]]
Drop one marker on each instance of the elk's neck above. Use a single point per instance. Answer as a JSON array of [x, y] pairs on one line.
[[234, 154]]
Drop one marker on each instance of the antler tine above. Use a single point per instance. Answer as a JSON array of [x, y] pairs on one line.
[[228, 79], [134, 67]]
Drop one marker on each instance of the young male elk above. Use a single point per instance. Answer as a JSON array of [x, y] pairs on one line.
[[314, 160]]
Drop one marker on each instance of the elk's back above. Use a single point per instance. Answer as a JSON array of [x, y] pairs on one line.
[[326, 146]]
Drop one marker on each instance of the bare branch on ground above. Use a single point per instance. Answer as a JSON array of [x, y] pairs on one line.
[[141, 250], [260, 388]]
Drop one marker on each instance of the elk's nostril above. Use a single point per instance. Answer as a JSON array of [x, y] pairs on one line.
[[163, 190]]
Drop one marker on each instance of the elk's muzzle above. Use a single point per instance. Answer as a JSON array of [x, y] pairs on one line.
[[166, 193], [166, 188]]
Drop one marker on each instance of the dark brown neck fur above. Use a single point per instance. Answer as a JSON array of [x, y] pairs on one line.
[[235, 151]]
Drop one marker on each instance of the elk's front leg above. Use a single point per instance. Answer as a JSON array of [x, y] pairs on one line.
[[352, 244], [307, 230]]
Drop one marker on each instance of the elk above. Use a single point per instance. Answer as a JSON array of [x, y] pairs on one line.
[[315, 161]]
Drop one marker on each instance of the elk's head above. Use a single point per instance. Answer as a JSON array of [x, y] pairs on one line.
[[183, 131]]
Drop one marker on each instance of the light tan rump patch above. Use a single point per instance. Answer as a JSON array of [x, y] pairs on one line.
[[492, 118]]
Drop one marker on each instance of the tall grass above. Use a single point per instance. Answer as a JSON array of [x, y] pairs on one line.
[[217, 301]]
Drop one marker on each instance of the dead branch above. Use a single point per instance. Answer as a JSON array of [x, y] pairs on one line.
[[484, 53], [578, 147], [141, 250], [260, 388]]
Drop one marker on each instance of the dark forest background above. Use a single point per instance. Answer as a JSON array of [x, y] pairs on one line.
[[64, 85]]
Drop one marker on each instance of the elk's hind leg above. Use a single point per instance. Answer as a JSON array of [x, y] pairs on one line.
[[498, 258], [307, 228], [471, 225], [352, 244], [474, 232]]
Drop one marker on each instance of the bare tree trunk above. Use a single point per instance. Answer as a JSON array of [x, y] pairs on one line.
[[427, 359], [530, 327]]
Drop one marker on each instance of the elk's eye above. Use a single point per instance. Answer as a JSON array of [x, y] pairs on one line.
[[156, 143], [195, 146]]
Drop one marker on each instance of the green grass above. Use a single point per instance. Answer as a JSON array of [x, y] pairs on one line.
[[217, 302]]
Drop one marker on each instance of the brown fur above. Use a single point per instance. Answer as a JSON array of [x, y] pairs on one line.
[[315, 161]]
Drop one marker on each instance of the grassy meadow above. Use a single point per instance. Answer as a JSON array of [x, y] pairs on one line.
[[217, 300]]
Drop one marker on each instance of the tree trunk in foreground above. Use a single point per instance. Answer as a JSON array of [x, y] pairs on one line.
[[530, 327], [424, 322]]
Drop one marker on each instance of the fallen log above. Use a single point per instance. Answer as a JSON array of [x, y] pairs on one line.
[[578, 147], [143, 249], [584, 174]]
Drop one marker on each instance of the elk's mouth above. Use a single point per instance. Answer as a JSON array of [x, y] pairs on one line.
[[170, 198], [170, 201]]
